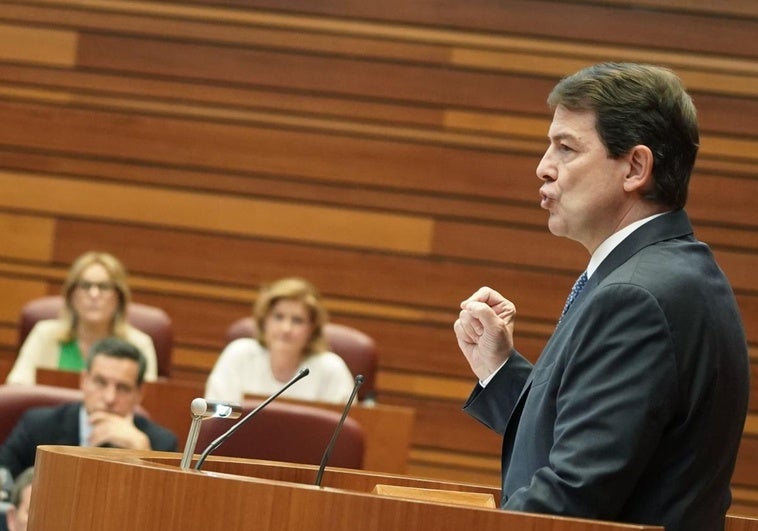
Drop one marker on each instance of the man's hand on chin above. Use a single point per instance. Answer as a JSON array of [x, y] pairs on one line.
[[114, 430]]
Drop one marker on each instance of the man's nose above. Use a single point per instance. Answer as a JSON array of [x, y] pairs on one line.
[[546, 169], [109, 394]]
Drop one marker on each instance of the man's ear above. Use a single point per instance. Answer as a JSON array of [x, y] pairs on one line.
[[640, 176]]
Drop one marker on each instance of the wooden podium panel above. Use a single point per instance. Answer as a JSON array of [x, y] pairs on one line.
[[122, 490]]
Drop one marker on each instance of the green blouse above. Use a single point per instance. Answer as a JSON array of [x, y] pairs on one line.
[[71, 358]]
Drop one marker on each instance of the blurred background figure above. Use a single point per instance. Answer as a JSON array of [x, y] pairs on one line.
[[96, 297], [290, 319], [17, 513]]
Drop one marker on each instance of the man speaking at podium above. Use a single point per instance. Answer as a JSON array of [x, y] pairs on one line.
[[112, 389], [635, 408]]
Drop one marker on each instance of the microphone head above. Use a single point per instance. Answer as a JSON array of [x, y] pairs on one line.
[[359, 379], [202, 408], [198, 407]]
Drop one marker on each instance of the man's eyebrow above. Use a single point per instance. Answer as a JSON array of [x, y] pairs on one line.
[[563, 136]]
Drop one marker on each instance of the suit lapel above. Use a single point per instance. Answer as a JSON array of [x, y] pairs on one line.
[[69, 428], [671, 225]]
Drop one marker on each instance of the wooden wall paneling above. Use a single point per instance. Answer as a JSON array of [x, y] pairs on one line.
[[736, 7], [93, 87], [321, 73], [740, 267], [722, 114], [16, 291], [386, 153], [712, 199], [721, 236], [235, 147], [281, 187], [682, 31], [222, 213], [488, 242], [403, 279], [747, 460], [208, 31], [26, 237], [523, 188], [748, 304], [37, 45]]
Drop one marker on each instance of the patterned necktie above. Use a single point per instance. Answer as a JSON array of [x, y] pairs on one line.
[[578, 285]]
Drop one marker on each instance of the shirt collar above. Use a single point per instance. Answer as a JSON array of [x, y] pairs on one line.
[[84, 427], [612, 241]]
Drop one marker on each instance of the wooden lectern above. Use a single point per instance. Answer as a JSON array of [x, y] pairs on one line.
[[124, 490]]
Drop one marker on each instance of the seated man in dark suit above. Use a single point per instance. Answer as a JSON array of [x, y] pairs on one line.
[[112, 387]]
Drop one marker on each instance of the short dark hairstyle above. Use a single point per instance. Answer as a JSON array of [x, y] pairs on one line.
[[115, 347], [638, 104], [20, 483]]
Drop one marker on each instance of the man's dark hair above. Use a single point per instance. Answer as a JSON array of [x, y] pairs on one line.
[[637, 104], [115, 347]]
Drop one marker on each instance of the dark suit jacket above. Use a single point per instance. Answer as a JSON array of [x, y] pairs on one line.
[[635, 408], [60, 425]]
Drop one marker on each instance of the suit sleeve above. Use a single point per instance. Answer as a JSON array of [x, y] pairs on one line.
[[616, 391], [161, 439], [19, 448], [493, 405]]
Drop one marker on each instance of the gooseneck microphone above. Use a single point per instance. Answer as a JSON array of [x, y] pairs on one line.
[[302, 373], [338, 429]]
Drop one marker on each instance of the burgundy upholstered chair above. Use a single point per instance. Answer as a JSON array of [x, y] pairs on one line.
[[16, 398], [287, 431], [355, 347], [151, 320]]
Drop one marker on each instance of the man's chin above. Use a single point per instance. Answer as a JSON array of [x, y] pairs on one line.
[[556, 227]]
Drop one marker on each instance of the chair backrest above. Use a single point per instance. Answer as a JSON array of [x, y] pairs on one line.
[[149, 319], [16, 398], [355, 347], [286, 431]]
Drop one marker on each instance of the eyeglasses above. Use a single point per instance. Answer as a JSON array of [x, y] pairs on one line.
[[102, 287]]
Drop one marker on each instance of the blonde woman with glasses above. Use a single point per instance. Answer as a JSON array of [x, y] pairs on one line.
[[96, 297]]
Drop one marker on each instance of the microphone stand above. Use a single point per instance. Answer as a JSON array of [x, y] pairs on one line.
[[330, 446], [302, 373]]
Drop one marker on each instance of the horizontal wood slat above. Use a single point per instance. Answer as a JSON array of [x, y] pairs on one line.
[[37, 45], [604, 23], [231, 215]]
